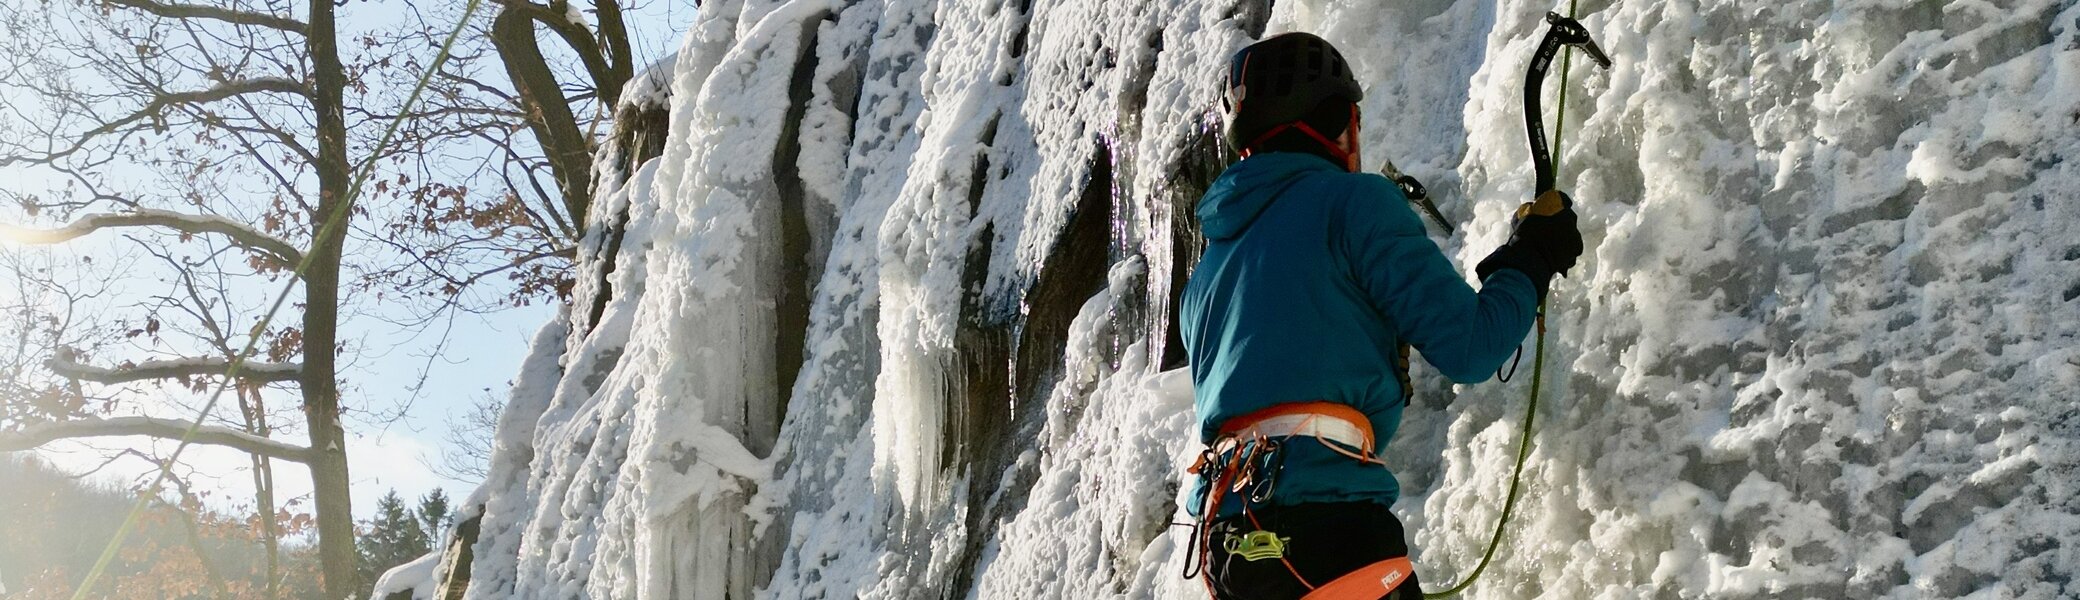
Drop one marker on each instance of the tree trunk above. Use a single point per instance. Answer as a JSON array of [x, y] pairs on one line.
[[568, 150], [321, 313]]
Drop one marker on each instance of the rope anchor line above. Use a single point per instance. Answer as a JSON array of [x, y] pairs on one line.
[[1564, 33]]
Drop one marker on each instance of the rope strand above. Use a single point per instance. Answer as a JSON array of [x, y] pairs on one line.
[[1538, 362]]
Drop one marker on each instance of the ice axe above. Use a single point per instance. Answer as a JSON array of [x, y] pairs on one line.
[[1564, 31], [1416, 193], [1549, 201]]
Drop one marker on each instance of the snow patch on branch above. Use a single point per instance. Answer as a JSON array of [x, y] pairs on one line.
[[66, 364], [170, 429], [242, 234]]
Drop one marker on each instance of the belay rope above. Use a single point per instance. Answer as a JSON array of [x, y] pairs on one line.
[[1563, 33]]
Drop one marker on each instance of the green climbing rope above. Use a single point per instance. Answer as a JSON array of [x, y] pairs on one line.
[[331, 227], [1538, 367]]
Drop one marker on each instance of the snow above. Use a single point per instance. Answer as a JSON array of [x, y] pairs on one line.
[[66, 364], [574, 15], [1822, 343], [192, 223], [415, 577], [34, 435]]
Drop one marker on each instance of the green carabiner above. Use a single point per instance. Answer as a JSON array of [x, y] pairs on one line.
[[1257, 545]]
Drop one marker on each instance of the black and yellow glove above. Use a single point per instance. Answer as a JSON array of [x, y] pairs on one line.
[[1546, 242]]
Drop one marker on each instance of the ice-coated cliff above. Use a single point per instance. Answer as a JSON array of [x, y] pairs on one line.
[[878, 304]]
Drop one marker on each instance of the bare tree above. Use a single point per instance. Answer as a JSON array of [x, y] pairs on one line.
[[171, 122], [471, 437], [219, 138], [50, 306], [528, 97]]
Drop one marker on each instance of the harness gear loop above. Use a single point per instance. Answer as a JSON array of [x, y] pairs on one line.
[[1247, 457]]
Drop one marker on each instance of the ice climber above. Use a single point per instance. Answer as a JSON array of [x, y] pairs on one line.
[[1315, 279]]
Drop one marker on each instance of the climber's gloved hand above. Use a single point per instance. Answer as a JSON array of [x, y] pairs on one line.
[[1545, 243]]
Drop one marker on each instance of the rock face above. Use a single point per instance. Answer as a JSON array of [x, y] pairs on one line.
[[884, 313]]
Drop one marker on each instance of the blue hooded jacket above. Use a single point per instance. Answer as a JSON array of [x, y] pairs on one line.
[[1311, 278]]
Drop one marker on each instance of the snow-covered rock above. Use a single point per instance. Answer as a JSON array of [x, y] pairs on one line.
[[413, 580], [887, 318]]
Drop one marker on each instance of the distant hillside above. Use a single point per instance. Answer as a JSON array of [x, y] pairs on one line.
[[52, 521], [53, 527]]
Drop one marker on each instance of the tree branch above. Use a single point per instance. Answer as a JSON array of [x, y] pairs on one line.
[[567, 149], [264, 372], [167, 429], [159, 103], [241, 235], [196, 11], [605, 77]]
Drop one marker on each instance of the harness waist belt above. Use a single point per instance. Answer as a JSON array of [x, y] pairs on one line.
[[1326, 421]]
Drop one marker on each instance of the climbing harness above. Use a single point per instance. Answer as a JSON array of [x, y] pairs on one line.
[[1246, 459], [1370, 582], [1324, 421], [1565, 32]]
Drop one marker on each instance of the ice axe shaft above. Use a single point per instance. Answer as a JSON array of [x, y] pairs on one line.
[[1564, 31]]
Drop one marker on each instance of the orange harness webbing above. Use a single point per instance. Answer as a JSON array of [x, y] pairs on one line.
[[1326, 422], [1370, 583]]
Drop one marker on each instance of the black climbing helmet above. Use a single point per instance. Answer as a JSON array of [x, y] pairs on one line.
[[1281, 80]]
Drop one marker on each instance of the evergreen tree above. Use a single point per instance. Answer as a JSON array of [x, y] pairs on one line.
[[433, 515], [394, 537]]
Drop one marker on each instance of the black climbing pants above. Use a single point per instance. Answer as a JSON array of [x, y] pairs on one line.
[[1326, 540]]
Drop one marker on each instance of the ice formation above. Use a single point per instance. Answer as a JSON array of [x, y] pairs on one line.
[[886, 315]]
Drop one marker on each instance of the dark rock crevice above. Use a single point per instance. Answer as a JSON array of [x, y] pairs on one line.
[[1009, 365], [797, 276], [1205, 156], [638, 136], [1074, 270]]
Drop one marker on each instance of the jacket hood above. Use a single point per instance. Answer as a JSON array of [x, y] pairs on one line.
[[1247, 187]]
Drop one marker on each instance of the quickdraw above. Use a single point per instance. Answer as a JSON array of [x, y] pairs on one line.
[[1236, 465]]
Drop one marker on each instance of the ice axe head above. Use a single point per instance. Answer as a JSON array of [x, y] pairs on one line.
[[1570, 32], [1564, 33]]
